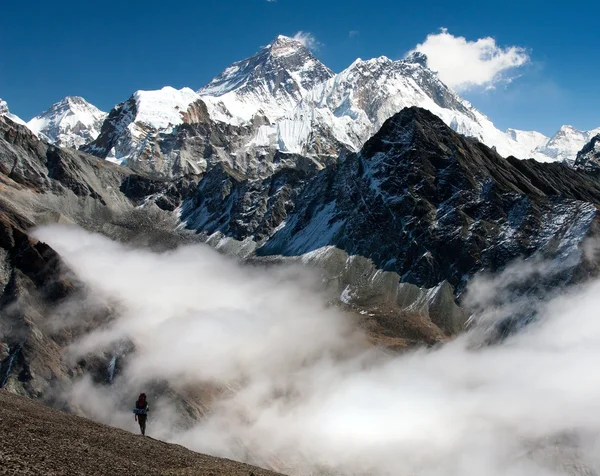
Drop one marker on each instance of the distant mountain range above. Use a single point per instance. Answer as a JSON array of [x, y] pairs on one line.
[[282, 100]]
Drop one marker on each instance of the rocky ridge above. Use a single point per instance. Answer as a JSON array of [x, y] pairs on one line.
[[588, 158], [283, 99]]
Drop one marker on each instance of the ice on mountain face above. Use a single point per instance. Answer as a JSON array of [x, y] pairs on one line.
[[133, 127], [271, 83], [71, 122], [4, 111], [284, 82], [288, 135], [283, 99], [162, 109], [529, 140], [292, 135]]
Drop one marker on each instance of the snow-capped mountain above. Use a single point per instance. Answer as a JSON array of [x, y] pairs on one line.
[[528, 140], [566, 143], [134, 130], [271, 83], [169, 132], [284, 100], [301, 99], [357, 101], [71, 122], [5, 112], [469, 207]]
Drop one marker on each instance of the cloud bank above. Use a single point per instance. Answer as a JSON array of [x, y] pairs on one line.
[[463, 64], [293, 386]]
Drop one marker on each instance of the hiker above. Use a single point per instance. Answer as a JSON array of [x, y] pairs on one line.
[[141, 412]]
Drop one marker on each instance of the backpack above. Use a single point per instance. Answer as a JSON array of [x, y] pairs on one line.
[[141, 405]]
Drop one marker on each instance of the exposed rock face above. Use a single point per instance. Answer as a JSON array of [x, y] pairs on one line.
[[32, 278], [192, 146], [588, 158], [40, 184], [40, 167], [133, 130], [228, 202], [419, 200], [5, 112], [271, 82]]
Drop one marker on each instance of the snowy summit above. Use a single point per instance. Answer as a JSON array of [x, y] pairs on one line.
[[71, 122]]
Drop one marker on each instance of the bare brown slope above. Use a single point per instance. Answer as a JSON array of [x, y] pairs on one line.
[[35, 440]]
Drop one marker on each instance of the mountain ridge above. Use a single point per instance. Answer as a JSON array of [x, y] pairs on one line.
[[588, 158], [4, 111], [284, 99], [414, 178]]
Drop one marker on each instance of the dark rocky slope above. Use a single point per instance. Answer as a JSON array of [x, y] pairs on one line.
[[40, 184], [419, 200], [588, 158]]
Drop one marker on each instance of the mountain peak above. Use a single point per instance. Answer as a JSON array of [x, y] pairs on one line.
[[69, 103], [405, 126], [270, 83], [3, 107], [70, 122], [284, 45], [284, 56], [417, 57], [567, 128], [4, 111], [414, 114], [76, 100], [284, 40]]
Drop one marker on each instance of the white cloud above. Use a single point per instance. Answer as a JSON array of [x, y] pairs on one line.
[[463, 64], [296, 388], [307, 39], [352, 33]]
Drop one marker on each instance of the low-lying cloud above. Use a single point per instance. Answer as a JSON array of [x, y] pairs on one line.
[[294, 386], [463, 64]]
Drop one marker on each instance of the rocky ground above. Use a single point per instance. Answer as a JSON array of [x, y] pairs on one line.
[[35, 440]]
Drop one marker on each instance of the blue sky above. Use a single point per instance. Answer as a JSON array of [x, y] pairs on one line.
[[106, 50]]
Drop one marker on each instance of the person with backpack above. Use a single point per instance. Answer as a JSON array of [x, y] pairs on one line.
[[141, 412]]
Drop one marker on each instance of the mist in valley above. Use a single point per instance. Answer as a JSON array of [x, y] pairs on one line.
[[280, 378]]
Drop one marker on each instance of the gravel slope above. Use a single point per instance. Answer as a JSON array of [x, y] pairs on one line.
[[36, 440]]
